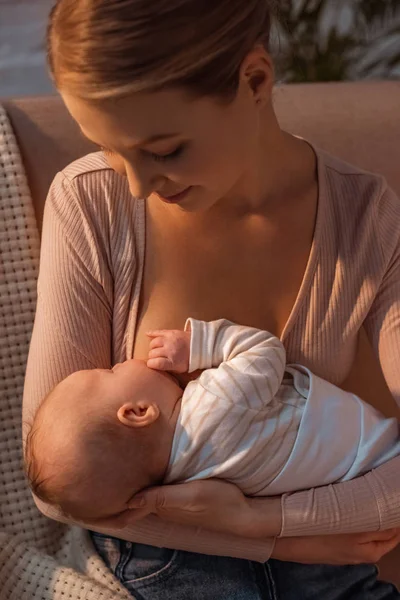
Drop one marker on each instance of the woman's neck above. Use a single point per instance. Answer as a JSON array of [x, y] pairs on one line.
[[281, 170], [284, 167]]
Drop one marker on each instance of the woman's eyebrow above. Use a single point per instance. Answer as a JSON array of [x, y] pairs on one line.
[[150, 140]]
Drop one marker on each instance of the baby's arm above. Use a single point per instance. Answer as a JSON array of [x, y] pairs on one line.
[[250, 361]]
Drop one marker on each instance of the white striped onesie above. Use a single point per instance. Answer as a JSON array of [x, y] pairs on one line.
[[267, 427]]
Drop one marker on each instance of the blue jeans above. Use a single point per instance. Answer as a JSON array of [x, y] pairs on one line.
[[151, 573]]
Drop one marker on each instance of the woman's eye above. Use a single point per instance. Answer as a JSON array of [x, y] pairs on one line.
[[157, 157], [170, 156]]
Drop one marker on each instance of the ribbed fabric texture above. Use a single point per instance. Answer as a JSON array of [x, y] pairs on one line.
[[89, 287]]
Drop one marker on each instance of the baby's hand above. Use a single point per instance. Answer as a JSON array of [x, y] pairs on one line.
[[169, 350]]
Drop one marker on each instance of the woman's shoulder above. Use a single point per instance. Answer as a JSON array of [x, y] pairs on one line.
[[90, 186], [90, 200], [360, 203], [87, 166], [348, 182], [91, 174]]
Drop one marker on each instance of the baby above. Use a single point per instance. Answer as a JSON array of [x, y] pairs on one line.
[[102, 435]]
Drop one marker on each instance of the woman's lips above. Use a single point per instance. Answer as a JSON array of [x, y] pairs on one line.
[[175, 198]]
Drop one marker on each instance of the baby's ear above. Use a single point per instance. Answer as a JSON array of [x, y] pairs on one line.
[[138, 414]]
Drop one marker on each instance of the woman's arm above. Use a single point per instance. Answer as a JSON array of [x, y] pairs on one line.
[[342, 549], [73, 331], [371, 502], [222, 506]]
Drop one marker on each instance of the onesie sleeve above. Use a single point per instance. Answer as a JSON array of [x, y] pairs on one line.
[[243, 364]]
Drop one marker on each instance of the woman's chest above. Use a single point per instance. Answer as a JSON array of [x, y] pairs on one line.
[[245, 274]]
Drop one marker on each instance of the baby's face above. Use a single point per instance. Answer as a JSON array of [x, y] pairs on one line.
[[124, 382], [111, 461], [128, 382]]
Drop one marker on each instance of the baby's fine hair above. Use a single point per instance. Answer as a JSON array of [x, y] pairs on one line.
[[100, 434]]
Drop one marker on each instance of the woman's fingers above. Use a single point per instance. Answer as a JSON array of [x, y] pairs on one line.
[[159, 497], [119, 521], [372, 552], [377, 536], [173, 500], [213, 504]]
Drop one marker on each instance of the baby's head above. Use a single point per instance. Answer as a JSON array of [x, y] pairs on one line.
[[100, 436]]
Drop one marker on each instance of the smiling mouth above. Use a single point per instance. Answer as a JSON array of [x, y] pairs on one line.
[[175, 198]]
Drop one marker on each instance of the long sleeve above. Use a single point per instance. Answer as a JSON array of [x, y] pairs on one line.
[[370, 502], [72, 329], [75, 328], [247, 362]]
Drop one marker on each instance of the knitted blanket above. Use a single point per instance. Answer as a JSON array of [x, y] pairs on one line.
[[39, 558]]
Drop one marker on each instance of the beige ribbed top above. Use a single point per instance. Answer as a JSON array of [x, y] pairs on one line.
[[88, 293]]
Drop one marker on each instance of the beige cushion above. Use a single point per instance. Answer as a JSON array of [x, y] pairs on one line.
[[357, 121], [48, 138]]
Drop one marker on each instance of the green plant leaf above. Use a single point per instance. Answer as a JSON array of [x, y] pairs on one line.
[[308, 55]]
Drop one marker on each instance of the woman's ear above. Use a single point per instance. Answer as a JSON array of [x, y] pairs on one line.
[[138, 414], [257, 71]]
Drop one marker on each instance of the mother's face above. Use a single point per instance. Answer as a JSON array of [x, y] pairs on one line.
[[166, 143]]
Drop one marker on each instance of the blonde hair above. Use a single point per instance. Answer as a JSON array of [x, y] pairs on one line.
[[99, 49]]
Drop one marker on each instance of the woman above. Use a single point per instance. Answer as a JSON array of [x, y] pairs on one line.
[[201, 205]]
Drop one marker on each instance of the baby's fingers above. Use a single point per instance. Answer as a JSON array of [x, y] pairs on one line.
[[160, 364], [159, 352], [157, 333], [157, 342]]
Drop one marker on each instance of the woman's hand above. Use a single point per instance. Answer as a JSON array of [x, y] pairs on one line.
[[344, 549], [212, 504], [217, 505]]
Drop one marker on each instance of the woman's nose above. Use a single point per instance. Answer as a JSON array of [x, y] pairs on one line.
[[142, 181]]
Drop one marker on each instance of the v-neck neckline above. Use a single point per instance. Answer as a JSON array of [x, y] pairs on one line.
[[312, 262], [315, 245]]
